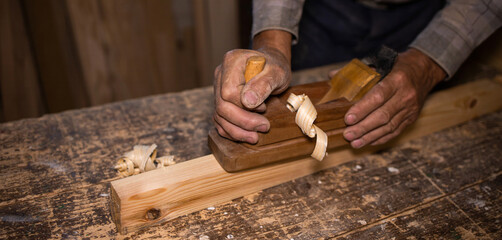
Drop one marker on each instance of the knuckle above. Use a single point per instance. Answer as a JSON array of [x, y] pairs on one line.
[[400, 76], [227, 94], [412, 95], [392, 126], [233, 54], [221, 131], [264, 87], [237, 135], [378, 97], [384, 116], [220, 110], [248, 123], [217, 71], [252, 122], [383, 140], [367, 139], [360, 131], [233, 134], [392, 135], [228, 55]]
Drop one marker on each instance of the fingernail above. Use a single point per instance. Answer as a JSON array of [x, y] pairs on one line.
[[262, 128], [357, 143], [349, 136], [250, 98], [350, 119]]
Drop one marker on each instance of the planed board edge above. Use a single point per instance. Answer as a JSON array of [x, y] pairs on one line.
[[160, 195]]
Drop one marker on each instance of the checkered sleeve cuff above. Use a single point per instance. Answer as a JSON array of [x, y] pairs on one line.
[[457, 30], [277, 14]]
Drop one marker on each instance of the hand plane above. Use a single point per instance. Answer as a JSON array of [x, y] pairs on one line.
[[332, 99]]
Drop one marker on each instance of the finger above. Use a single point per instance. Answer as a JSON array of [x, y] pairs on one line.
[[261, 86], [256, 91], [236, 133], [373, 100], [231, 86], [261, 108], [220, 130], [381, 131], [380, 117], [232, 76], [392, 135], [241, 118], [217, 82]]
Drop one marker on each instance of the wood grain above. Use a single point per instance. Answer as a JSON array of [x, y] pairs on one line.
[[20, 92], [128, 49], [57, 58], [254, 65], [200, 183], [351, 82], [216, 32]]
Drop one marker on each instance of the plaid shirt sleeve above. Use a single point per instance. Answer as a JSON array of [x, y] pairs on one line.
[[457, 30], [449, 38], [277, 14]]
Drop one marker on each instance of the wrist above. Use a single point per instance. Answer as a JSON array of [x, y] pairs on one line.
[[276, 43], [432, 71]]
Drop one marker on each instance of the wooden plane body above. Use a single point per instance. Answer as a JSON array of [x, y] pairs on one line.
[[285, 140]]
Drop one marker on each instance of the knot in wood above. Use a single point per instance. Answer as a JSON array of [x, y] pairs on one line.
[[152, 214]]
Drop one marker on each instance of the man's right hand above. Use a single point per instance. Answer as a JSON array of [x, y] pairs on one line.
[[237, 103]]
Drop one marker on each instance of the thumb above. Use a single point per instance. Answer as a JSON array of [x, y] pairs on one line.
[[257, 90]]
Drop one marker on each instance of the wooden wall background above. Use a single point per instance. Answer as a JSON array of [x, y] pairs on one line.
[[63, 54]]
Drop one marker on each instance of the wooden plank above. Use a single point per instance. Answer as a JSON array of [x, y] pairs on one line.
[[95, 52], [164, 194], [20, 94], [128, 49]]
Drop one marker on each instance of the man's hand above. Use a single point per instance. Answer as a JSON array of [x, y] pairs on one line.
[[395, 102], [236, 101]]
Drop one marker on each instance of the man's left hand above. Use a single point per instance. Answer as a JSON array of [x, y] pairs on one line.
[[395, 102]]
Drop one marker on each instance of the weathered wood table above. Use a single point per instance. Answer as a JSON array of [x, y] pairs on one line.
[[55, 173]]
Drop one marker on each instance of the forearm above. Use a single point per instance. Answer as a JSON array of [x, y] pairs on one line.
[[276, 42], [456, 30]]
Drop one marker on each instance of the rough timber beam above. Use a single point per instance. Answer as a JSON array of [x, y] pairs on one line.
[[163, 194]]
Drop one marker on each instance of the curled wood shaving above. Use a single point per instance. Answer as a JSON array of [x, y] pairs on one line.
[[141, 159], [305, 116]]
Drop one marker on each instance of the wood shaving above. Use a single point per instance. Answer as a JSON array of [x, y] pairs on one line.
[[305, 117], [142, 158]]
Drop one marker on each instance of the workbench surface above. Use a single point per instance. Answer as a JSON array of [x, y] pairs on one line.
[[56, 172]]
